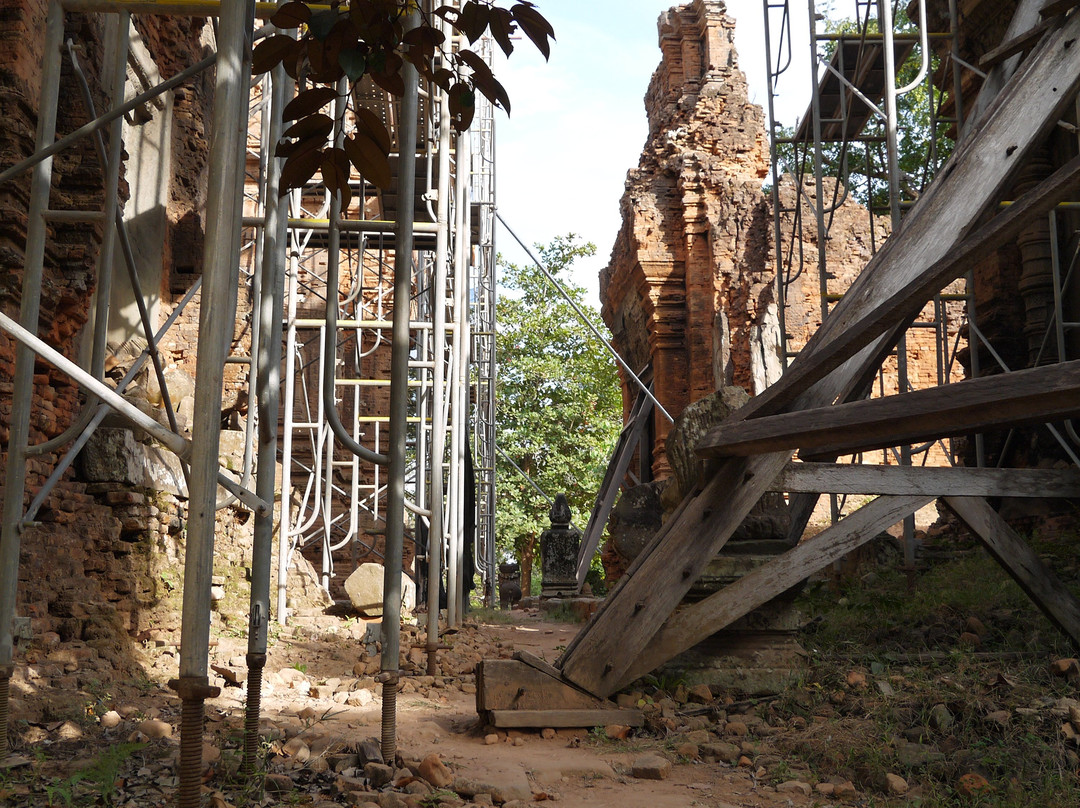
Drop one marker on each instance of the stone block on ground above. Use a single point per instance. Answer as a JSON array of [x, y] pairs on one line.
[[365, 590]]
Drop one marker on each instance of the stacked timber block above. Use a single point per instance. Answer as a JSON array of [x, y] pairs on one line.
[[527, 692]]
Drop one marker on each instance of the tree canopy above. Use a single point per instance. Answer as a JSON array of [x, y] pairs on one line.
[[559, 402], [375, 40]]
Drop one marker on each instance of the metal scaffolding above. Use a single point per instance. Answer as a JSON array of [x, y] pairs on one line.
[[852, 130], [371, 333]]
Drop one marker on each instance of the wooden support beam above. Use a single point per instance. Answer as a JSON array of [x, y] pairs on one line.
[[1055, 7], [970, 185], [510, 719], [527, 692], [1021, 562], [1048, 393], [613, 479], [691, 625], [831, 478], [1017, 44]]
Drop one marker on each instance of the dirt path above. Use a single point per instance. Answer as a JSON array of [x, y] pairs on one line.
[[320, 705]]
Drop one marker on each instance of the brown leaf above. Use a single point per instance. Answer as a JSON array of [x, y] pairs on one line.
[[473, 20], [462, 105], [308, 102], [298, 169], [370, 124], [535, 27], [270, 52], [291, 15], [370, 160], [335, 173], [315, 124], [502, 27]]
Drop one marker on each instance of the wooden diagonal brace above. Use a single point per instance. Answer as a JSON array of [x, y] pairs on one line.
[[1021, 562], [693, 624]]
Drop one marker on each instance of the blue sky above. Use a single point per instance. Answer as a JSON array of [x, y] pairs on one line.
[[578, 121]]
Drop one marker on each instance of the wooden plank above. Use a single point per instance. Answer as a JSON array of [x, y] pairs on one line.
[[912, 480], [1022, 563], [1026, 16], [565, 718], [1015, 45], [693, 624], [967, 187], [1042, 394], [1055, 7], [613, 477], [648, 593], [509, 684]]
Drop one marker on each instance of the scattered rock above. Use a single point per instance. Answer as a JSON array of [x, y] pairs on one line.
[[617, 732], [491, 738], [795, 787], [940, 718], [278, 783], [651, 767], [378, 774], [895, 784], [547, 733], [736, 728], [435, 771], [856, 681], [110, 720], [972, 784], [1065, 667], [155, 728]]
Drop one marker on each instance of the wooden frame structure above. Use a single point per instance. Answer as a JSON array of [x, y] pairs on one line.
[[640, 625]]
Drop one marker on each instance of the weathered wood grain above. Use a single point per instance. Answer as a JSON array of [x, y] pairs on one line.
[[1043, 394], [691, 625], [916, 480]]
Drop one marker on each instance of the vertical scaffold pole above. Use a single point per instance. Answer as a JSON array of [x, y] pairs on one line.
[[437, 529], [221, 262], [15, 479], [268, 385], [399, 405]]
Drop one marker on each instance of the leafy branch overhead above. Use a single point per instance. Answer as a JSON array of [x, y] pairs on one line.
[[370, 39]]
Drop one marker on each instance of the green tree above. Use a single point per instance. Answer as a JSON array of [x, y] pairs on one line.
[[558, 399]]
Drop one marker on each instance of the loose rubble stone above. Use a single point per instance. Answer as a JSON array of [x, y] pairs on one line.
[[795, 787], [110, 720], [651, 767], [547, 733], [856, 680], [155, 728], [1065, 667], [617, 732], [378, 774], [491, 738], [940, 718], [278, 783], [972, 784], [435, 771], [895, 784]]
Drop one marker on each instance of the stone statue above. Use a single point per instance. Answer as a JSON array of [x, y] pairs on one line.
[[559, 546]]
